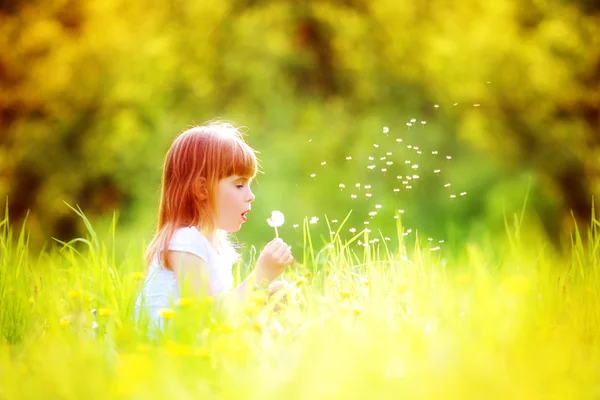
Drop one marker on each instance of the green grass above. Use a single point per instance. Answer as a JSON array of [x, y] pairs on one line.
[[371, 323]]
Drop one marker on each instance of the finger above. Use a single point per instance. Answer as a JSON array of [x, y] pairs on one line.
[[273, 244], [288, 260], [281, 251]]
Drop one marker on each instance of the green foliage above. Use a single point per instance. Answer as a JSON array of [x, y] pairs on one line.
[[92, 93]]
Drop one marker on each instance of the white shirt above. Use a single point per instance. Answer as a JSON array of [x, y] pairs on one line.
[[160, 287]]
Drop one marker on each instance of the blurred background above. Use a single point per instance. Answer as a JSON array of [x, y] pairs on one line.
[[450, 115]]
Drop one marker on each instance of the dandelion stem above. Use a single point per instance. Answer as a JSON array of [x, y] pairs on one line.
[[276, 233]]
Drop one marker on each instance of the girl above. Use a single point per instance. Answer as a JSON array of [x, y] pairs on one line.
[[205, 194]]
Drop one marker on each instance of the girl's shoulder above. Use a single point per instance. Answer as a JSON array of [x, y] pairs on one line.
[[191, 240]]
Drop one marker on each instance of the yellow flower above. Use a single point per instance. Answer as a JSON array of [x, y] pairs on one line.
[[31, 300], [73, 294], [345, 293], [104, 312], [166, 313], [64, 321]]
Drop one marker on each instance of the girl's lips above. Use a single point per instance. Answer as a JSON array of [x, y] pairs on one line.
[[244, 218]]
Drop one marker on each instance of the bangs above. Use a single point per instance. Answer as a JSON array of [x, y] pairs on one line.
[[239, 159]]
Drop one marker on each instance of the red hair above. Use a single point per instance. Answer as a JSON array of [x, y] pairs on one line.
[[197, 160]]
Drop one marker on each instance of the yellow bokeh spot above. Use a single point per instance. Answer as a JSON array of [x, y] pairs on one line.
[[166, 313]]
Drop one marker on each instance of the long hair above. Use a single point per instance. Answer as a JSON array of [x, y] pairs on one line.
[[197, 160]]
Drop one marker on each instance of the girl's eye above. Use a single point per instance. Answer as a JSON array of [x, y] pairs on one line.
[[239, 186]]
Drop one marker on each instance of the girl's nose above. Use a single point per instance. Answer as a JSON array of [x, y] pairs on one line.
[[251, 196]]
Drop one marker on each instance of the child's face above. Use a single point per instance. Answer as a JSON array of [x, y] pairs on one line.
[[232, 201]]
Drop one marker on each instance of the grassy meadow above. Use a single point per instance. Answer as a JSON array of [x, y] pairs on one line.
[[506, 318]]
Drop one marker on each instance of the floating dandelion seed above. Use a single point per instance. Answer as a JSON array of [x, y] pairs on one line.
[[405, 182], [398, 176], [409, 230], [314, 220], [313, 175], [476, 105], [430, 239], [409, 178], [413, 120], [382, 158], [396, 190], [375, 145], [341, 186], [434, 152], [352, 230], [389, 162], [436, 171], [372, 214], [419, 152], [396, 217], [408, 186], [463, 193], [357, 185], [415, 176], [401, 211], [399, 140], [407, 162], [416, 148], [387, 238], [371, 158], [436, 106], [440, 241], [366, 222], [349, 158], [447, 185], [449, 157], [386, 129], [295, 226], [383, 169], [334, 221], [369, 195], [389, 153], [435, 248], [415, 166], [409, 146], [353, 196], [423, 122], [378, 206], [408, 124], [452, 196], [324, 163], [372, 166], [277, 219], [455, 104]]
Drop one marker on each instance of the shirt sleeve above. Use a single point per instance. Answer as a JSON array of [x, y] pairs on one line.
[[189, 240]]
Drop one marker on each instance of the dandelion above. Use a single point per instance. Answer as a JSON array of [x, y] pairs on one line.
[[371, 158], [409, 186], [348, 158], [399, 140], [452, 196], [277, 219], [396, 190], [415, 176], [367, 186], [440, 241], [423, 122], [369, 195], [378, 206], [313, 175], [295, 226], [334, 221], [367, 230], [357, 185], [185, 302], [415, 166], [389, 153], [383, 169], [407, 162], [372, 214], [372, 166], [341, 186], [408, 124], [386, 129], [389, 163], [413, 120], [436, 171], [366, 222], [447, 185], [401, 211], [166, 313], [382, 158], [449, 157], [387, 238], [435, 248], [419, 152], [353, 196], [375, 145], [324, 163], [463, 193], [434, 152], [352, 230], [409, 146], [314, 220], [476, 105], [398, 176], [455, 104]]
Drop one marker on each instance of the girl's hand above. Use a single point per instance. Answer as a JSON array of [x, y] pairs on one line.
[[272, 261]]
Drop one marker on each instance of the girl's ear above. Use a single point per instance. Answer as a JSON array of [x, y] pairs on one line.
[[200, 189]]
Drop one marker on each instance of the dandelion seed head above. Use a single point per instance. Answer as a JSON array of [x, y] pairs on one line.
[[372, 213], [375, 145], [463, 193], [436, 171], [323, 162], [399, 140], [352, 230], [378, 206], [313, 175], [415, 166], [369, 195], [383, 169], [349, 158]]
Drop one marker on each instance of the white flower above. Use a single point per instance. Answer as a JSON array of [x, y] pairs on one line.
[[276, 219]]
